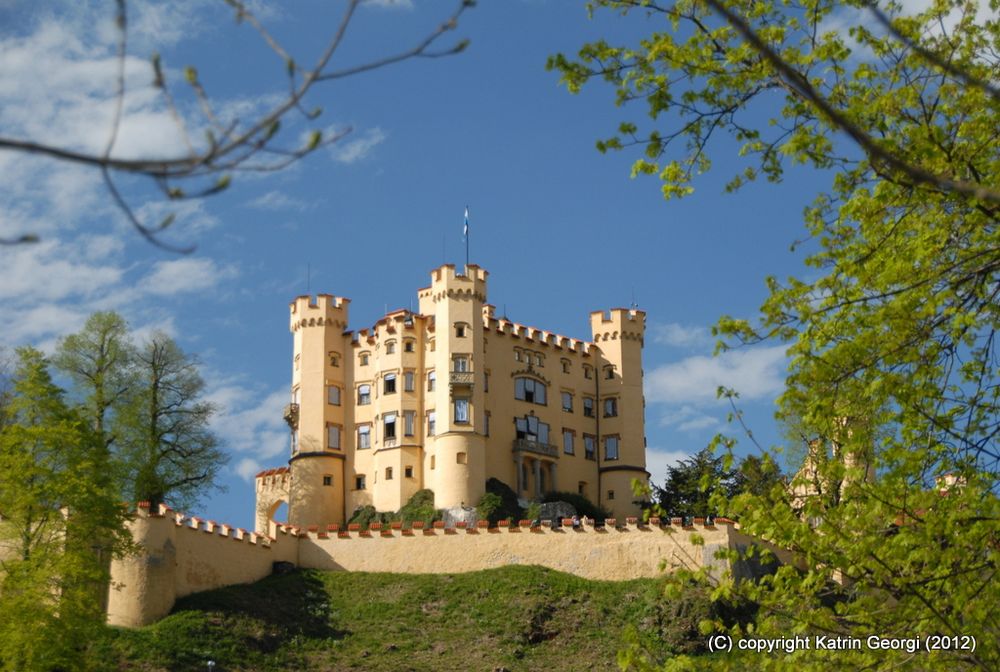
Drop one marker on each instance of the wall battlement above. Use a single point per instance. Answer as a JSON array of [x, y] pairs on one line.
[[321, 310], [186, 554]]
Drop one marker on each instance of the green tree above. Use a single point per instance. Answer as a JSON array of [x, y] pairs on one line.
[[170, 450], [60, 524], [691, 483], [892, 339], [100, 362]]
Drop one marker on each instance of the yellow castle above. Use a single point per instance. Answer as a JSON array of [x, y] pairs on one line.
[[449, 396]]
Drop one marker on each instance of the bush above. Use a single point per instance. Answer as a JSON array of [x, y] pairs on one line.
[[490, 503], [583, 506], [419, 507], [367, 515], [509, 508]]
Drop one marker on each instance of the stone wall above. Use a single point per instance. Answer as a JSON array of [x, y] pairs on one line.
[[185, 555]]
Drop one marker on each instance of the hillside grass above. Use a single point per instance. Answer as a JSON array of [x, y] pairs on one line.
[[512, 618]]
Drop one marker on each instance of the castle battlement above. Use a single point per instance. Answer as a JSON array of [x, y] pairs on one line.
[[618, 323], [321, 310]]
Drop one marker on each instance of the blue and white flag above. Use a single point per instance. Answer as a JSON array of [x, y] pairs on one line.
[[465, 232]]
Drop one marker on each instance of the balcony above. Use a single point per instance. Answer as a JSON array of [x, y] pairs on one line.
[[527, 446], [461, 377], [291, 415]]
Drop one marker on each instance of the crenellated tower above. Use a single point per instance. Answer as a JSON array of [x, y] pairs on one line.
[[316, 415], [455, 462], [619, 335]]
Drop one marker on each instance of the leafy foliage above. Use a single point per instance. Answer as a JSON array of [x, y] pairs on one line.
[[60, 525], [893, 381], [509, 508]]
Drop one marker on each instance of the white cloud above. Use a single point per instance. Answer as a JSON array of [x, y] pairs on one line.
[[680, 335], [390, 4], [351, 150], [251, 424], [185, 275], [755, 373], [247, 468], [50, 271], [276, 200]]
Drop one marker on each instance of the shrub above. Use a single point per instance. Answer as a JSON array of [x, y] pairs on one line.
[[419, 507], [509, 508], [367, 515]]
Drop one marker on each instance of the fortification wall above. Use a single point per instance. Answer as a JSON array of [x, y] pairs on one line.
[[604, 553], [183, 555]]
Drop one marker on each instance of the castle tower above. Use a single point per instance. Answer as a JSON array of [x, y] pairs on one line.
[[316, 414], [455, 456], [619, 335]]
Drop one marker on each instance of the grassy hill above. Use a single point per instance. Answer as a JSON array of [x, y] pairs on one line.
[[513, 618]]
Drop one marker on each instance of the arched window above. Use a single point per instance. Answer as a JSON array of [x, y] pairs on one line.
[[364, 395], [529, 389]]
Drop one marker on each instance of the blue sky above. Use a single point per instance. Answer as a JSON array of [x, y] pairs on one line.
[[561, 228]]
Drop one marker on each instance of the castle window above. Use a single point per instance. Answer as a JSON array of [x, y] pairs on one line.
[[389, 383], [334, 358], [408, 472], [297, 359], [588, 407], [333, 437], [431, 378], [460, 330], [364, 436], [363, 359], [433, 461], [359, 482], [588, 446], [611, 494], [430, 425], [409, 420], [588, 372], [568, 441], [486, 423], [611, 447], [517, 354], [539, 361], [460, 364], [610, 407], [295, 441], [609, 372], [295, 395], [333, 395], [461, 458], [389, 423], [567, 402], [462, 411], [364, 395], [486, 381], [529, 389], [408, 381], [328, 480], [390, 347], [529, 428], [388, 473], [565, 366], [431, 345], [408, 345], [581, 488]]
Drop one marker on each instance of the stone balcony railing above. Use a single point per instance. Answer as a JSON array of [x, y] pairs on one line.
[[291, 415], [461, 377], [527, 446]]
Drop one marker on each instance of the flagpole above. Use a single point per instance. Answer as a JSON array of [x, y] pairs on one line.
[[466, 236]]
